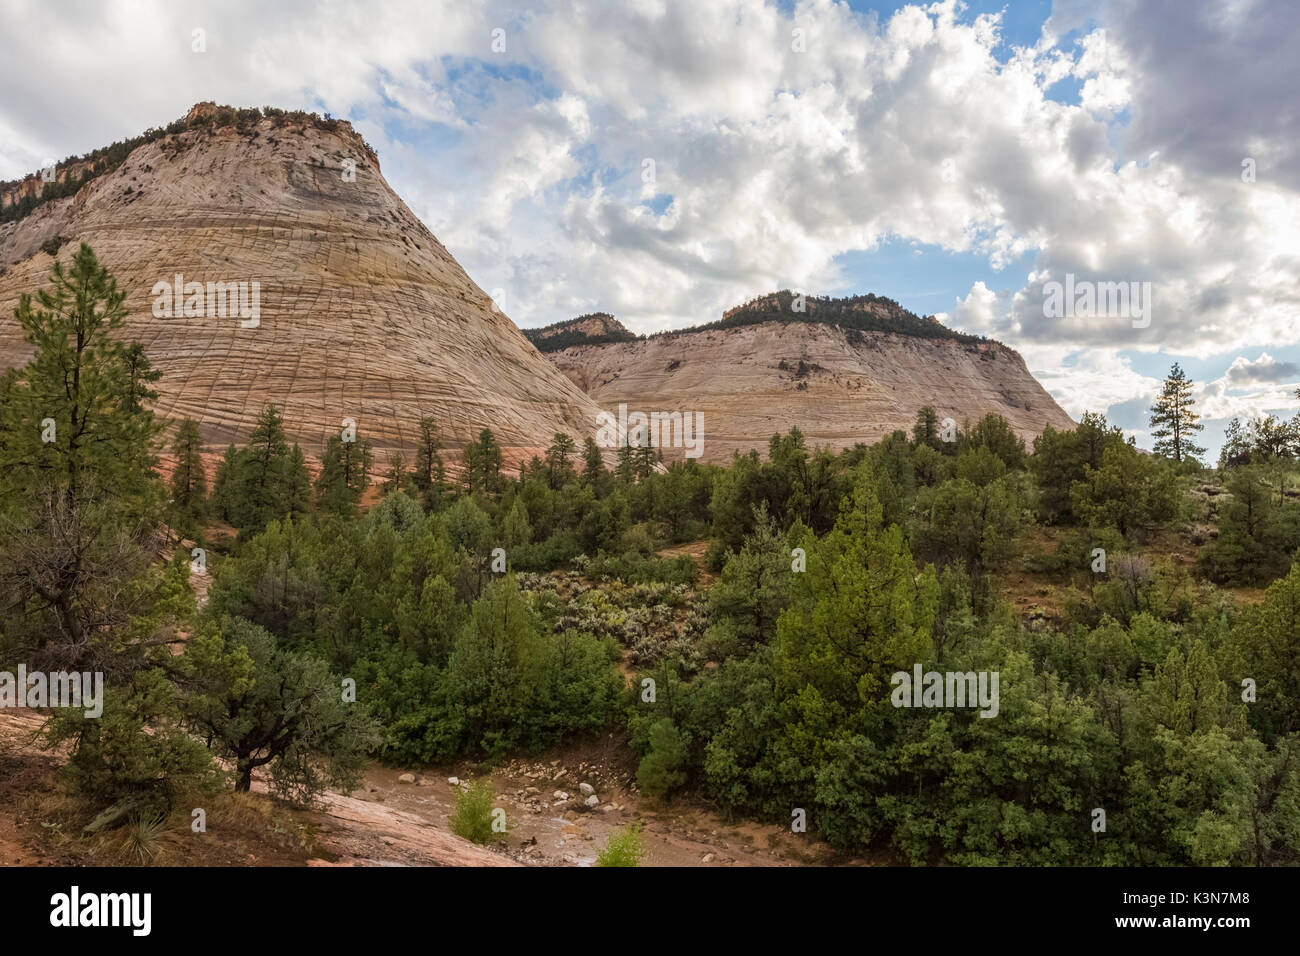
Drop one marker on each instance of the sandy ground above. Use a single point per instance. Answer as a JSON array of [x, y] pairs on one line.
[[389, 823]]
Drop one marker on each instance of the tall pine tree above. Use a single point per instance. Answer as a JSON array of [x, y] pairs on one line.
[[1174, 422]]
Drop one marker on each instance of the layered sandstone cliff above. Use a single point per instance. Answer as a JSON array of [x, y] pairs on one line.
[[364, 315], [838, 386]]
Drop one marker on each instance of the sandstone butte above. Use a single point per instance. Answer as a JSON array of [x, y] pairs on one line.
[[364, 314], [839, 386]]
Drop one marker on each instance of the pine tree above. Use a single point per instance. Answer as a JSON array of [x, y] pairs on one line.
[[344, 475], [261, 470], [1236, 446], [1174, 423], [625, 469], [430, 475], [397, 478], [558, 470], [189, 484], [225, 484], [79, 494], [297, 484], [645, 457], [481, 465], [139, 374], [926, 429], [593, 463]]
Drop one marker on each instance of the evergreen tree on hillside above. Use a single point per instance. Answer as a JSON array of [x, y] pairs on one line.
[[430, 475], [558, 469], [1174, 422], [79, 494], [625, 467], [223, 484], [1236, 446], [265, 480], [189, 484], [260, 704], [593, 464], [926, 429], [296, 488], [262, 467], [344, 475], [646, 457], [481, 465]]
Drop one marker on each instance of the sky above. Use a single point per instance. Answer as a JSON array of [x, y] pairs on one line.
[[664, 161]]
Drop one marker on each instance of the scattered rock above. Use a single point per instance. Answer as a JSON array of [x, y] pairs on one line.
[[406, 778], [593, 801], [586, 789], [453, 781], [708, 858]]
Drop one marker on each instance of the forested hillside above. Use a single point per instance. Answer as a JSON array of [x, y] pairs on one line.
[[1141, 613]]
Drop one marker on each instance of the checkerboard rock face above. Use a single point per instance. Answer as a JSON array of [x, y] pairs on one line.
[[363, 314], [839, 388]]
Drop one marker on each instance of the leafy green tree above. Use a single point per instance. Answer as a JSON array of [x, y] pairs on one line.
[[1174, 420], [1061, 458], [1129, 492], [661, 770], [973, 524], [1265, 649], [1188, 696], [1273, 439], [398, 478], [752, 591], [1236, 446], [860, 613], [516, 531], [140, 373], [1253, 546], [297, 484], [625, 470], [267, 479], [258, 705], [138, 754], [994, 434], [224, 485], [496, 667]]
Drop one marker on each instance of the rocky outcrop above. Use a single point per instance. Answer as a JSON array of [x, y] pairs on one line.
[[593, 329], [364, 315], [838, 386]]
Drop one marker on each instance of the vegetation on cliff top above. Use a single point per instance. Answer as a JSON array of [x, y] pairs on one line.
[[855, 314], [562, 335], [106, 159]]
